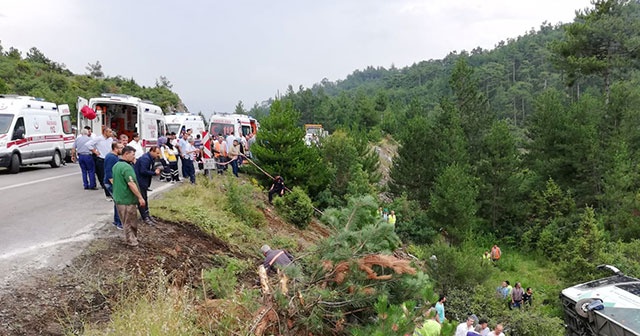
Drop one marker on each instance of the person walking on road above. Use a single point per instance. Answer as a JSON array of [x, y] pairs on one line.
[[109, 161], [126, 194], [83, 150], [145, 171]]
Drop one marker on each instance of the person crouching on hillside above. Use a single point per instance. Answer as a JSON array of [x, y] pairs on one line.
[[274, 259], [277, 188]]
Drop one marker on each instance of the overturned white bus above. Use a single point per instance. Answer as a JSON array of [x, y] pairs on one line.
[[603, 307]]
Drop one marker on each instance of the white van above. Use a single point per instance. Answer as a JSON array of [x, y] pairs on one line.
[[124, 114], [239, 124], [31, 132], [67, 129], [180, 122]]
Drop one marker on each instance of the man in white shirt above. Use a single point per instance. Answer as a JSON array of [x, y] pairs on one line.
[[497, 331], [92, 135], [229, 141], [183, 145], [464, 327], [484, 327], [103, 146], [135, 143]]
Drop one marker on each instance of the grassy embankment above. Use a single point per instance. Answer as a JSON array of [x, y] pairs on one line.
[[235, 212]]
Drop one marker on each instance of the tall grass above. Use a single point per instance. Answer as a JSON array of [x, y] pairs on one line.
[[219, 206], [157, 310]]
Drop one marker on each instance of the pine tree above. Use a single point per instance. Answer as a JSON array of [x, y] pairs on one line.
[[280, 150], [499, 172], [620, 197], [425, 150], [473, 108], [600, 41], [584, 249], [551, 222], [453, 202]]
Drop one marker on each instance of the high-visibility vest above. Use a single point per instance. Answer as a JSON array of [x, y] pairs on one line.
[[495, 253], [392, 219], [220, 149], [169, 154]]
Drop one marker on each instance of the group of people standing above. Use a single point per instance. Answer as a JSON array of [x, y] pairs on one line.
[[389, 217], [515, 297], [472, 326], [123, 170], [231, 151]]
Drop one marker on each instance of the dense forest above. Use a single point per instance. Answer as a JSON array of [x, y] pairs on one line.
[[533, 145], [33, 74]]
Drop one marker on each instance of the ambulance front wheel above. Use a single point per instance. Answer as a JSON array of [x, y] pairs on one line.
[[14, 165]]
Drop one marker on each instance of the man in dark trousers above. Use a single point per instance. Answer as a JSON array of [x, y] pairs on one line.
[[277, 188], [145, 171], [274, 259]]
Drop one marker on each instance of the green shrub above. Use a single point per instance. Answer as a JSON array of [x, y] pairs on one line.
[[295, 207], [460, 268], [412, 224], [242, 204], [222, 280]]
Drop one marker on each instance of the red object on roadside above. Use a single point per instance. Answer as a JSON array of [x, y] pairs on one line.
[[88, 112]]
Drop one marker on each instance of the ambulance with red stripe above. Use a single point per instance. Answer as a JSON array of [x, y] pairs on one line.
[[69, 137], [124, 114], [180, 122], [239, 124], [32, 131]]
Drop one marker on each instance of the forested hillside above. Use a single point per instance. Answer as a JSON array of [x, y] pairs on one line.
[[33, 74], [554, 111], [534, 145]]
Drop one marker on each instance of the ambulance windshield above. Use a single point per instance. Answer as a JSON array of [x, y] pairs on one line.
[[5, 123], [173, 128]]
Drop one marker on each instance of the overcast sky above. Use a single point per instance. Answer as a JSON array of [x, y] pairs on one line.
[[216, 53]]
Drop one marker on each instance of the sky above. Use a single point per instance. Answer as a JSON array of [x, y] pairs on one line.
[[216, 53]]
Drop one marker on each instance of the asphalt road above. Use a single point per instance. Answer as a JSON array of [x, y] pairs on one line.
[[46, 218]]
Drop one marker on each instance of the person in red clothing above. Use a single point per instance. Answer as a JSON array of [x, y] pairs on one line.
[[495, 253]]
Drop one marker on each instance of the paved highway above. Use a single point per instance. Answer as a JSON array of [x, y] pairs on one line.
[[46, 218]]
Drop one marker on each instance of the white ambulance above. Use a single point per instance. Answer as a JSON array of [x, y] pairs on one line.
[[239, 124], [67, 129], [31, 132], [124, 114], [180, 122]]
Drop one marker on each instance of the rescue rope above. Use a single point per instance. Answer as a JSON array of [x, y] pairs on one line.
[[272, 178]]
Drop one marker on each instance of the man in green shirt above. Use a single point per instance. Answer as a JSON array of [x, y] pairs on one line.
[[126, 194]]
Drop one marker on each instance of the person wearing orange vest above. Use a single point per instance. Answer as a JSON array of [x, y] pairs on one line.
[[220, 153], [495, 253]]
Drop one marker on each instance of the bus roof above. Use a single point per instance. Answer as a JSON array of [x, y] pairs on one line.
[[620, 295]]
